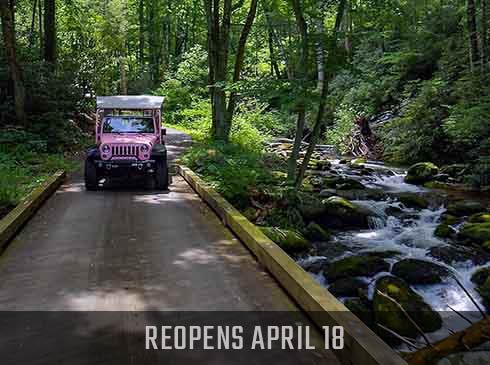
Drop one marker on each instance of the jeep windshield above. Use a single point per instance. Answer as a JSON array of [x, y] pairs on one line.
[[128, 125]]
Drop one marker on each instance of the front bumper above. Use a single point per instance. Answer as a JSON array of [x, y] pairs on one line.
[[116, 167]]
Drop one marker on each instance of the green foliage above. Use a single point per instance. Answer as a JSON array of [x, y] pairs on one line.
[[231, 169]]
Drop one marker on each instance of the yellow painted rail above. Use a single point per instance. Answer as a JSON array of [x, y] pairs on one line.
[[362, 346], [13, 221]]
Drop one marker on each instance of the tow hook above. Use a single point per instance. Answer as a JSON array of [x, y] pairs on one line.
[[140, 166]]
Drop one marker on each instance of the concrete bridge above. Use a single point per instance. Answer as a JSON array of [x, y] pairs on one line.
[[127, 249]]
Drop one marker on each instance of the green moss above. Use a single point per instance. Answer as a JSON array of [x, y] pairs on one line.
[[315, 232], [477, 232], [449, 219], [443, 231], [412, 200], [345, 213], [464, 208], [388, 314], [288, 240], [362, 265], [421, 173], [483, 217]]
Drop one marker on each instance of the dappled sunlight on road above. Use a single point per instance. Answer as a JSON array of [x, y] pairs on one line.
[[194, 256], [162, 198], [75, 187], [125, 299]]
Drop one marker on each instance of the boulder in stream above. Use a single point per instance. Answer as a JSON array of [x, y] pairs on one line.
[[340, 212], [483, 217], [464, 208], [314, 232], [361, 265], [421, 172], [348, 287], [362, 194], [415, 271], [342, 183], [476, 232], [288, 240], [362, 308], [443, 231], [482, 280], [450, 254], [388, 314], [413, 200]]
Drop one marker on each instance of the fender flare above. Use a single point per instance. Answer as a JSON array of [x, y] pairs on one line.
[[93, 153], [159, 152]]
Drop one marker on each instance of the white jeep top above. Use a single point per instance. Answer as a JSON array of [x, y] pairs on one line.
[[130, 102]]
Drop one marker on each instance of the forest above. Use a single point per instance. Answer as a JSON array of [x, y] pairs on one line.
[[267, 89]]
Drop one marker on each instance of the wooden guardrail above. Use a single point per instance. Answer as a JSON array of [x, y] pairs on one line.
[[13, 221], [362, 346]]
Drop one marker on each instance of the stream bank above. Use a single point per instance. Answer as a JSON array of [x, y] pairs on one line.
[[361, 230]]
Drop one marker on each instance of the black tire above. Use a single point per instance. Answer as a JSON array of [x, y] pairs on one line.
[[91, 182], [161, 174]]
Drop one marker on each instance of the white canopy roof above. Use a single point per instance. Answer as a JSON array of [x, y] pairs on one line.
[[129, 102]]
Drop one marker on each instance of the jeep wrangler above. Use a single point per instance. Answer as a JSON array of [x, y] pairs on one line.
[[129, 141]]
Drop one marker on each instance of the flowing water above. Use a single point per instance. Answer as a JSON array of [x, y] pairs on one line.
[[411, 233]]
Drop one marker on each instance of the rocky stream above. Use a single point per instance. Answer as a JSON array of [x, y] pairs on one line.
[[418, 237]]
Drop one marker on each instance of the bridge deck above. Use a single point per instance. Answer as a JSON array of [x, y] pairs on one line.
[[135, 250]]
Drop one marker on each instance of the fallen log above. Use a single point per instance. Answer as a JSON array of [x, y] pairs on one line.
[[461, 341]]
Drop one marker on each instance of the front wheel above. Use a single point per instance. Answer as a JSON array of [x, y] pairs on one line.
[[90, 175], [161, 174]]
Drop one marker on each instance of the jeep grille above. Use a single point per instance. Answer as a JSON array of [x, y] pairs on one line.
[[125, 150]]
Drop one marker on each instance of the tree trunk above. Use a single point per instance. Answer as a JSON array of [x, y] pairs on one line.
[[33, 24], [301, 107], [474, 336], [124, 80], [218, 34], [40, 25], [272, 54], [141, 46], [484, 32], [322, 86], [11, 54], [50, 31], [472, 33], [240, 55]]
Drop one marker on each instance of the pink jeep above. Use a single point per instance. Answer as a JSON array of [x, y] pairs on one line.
[[129, 141]]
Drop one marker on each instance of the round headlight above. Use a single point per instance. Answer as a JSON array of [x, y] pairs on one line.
[[145, 148], [106, 148]]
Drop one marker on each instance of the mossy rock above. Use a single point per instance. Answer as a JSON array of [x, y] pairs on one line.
[[342, 183], [482, 280], [449, 219], [464, 208], [483, 217], [480, 276], [350, 184], [443, 231], [421, 172], [288, 240], [363, 310], [362, 265], [393, 211], [388, 314], [476, 232], [451, 254], [327, 193], [413, 200], [362, 194], [314, 232], [415, 271], [358, 161], [436, 185], [309, 206], [341, 212], [347, 287]]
